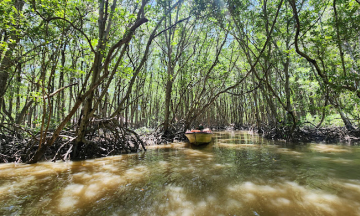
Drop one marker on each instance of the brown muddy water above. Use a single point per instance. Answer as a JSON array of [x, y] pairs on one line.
[[237, 174]]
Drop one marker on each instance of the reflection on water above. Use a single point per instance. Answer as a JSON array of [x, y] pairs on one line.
[[237, 174]]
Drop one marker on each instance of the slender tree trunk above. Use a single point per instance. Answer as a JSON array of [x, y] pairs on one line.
[[346, 121], [167, 105], [17, 89], [8, 60], [60, 98], [338, 38]]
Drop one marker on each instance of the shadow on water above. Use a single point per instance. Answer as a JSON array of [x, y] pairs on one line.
[[236, 174], [206, 147]]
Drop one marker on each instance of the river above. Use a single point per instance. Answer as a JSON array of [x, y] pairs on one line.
[[237, 174]]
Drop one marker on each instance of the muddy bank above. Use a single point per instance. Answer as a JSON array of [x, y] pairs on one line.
[[20, 149], [101, 143]]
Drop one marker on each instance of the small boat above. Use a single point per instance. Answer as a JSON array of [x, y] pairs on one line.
[[199, 137]]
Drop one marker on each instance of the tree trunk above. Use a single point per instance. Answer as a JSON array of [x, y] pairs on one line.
[[167, 105]]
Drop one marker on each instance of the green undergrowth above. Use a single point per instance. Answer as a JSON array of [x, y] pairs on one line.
[[144, 130], [333, 120]]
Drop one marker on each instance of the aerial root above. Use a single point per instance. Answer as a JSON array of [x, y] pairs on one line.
[[103, 138]]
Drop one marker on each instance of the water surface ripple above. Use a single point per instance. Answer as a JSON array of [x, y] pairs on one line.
[[237, 174]]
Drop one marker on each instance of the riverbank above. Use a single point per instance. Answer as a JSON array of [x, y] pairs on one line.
[[18, 149], [307, 134]]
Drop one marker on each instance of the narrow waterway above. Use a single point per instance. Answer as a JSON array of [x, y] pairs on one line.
[[237, 174]]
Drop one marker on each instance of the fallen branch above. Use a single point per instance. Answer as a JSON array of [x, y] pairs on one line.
[[67, 153], [71, 139]]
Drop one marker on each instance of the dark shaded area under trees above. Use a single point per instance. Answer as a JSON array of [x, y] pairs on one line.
[[82, 79]]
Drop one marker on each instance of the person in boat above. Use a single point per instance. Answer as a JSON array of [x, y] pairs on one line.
[[201, 127]]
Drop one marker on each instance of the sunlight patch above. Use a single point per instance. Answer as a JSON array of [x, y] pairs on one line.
[[328, 148], [288, 151], [58, 166], [241, 146], [111, 168], [163, 164], [82, 176], [93, 190], [106, 180], [281, 201], [67, 203], [33, 169], [352, 186], [167, 146], [177, 203], [18, 186], [233, 205], [284, 195], [136, 173], [197, 153], [73, 189], [218, 166], [343, 161]]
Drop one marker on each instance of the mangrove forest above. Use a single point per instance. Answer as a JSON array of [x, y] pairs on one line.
[[87, 79], [180, 107]]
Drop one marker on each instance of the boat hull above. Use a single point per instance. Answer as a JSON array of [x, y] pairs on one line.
[[199, 138]]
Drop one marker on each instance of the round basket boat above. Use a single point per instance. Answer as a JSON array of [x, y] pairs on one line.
[[199, 137]]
